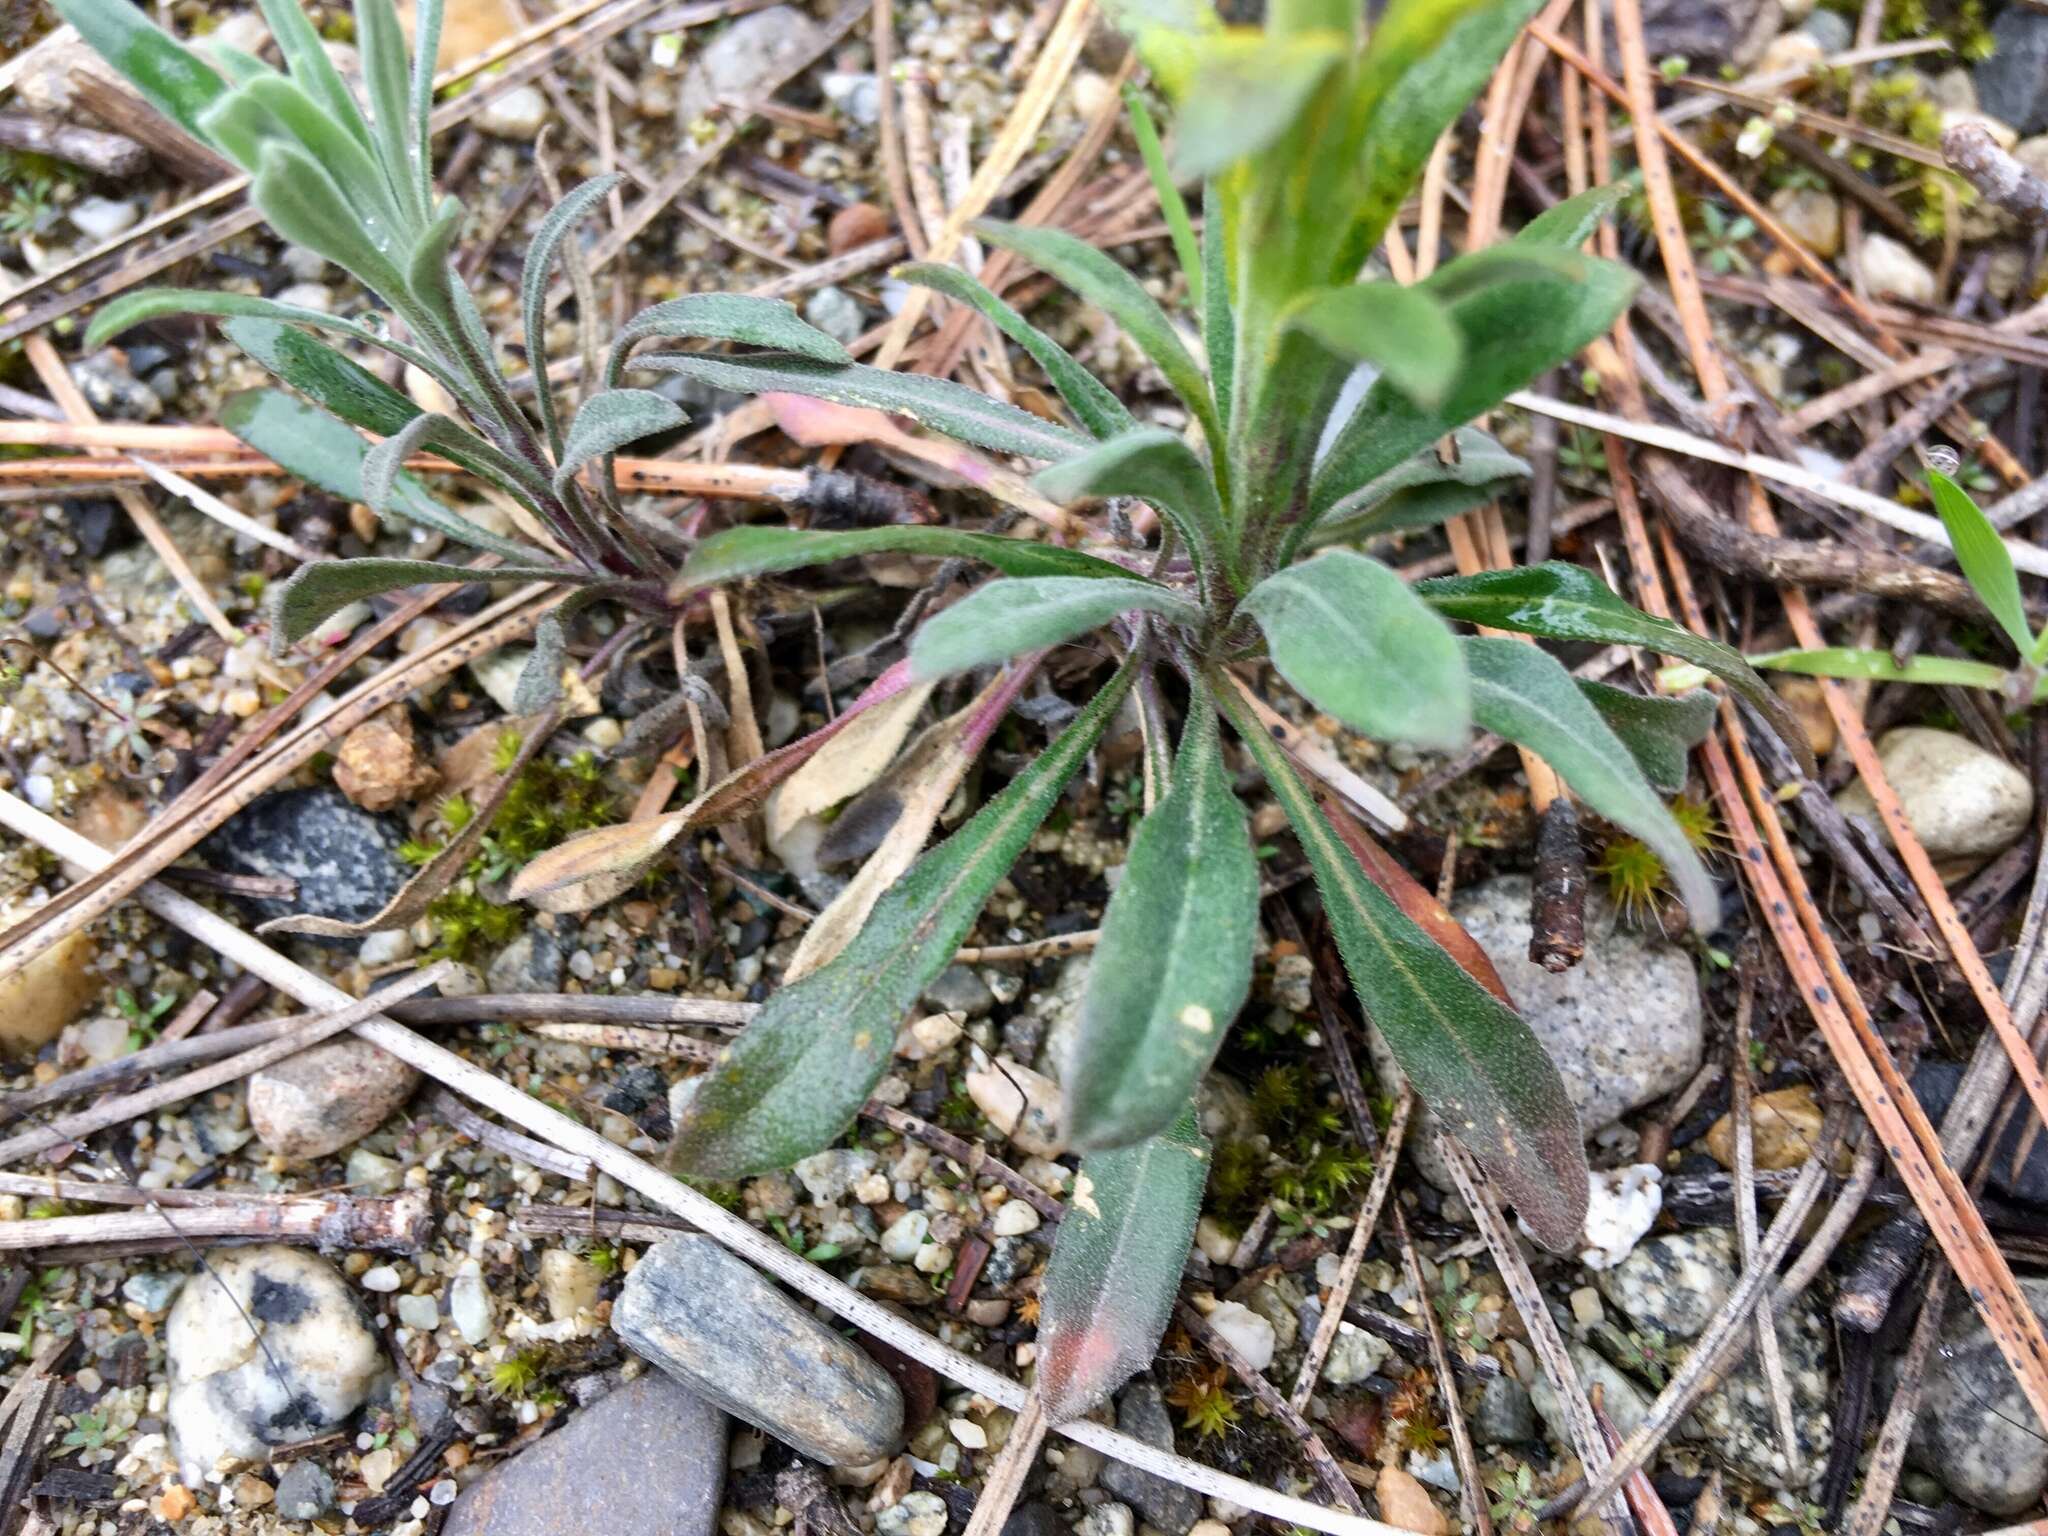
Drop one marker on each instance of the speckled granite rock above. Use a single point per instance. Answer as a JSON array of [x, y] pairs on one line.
[[1975, 1431], [731, 1336], [1675, 1284], [344, 858], [1626, 1403], [327, 1098], [647, 1457]]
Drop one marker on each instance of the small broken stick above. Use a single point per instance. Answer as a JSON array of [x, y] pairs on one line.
[[1557, 917]]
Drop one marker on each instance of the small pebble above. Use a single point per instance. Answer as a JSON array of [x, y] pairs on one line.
[[382, 1278]]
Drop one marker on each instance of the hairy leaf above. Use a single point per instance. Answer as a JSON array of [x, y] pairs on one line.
[[316, 592], [381, 43], [560, 223], [1469, 1055], [1984, 560], [302, 203], [1155, 465], [1109, 1291], [1175, 959], [1425, 490], [1187, 251], [1219, 325], [946, 407], [1658, 732], [1027, 613], [1247, 90], [1571, 223], [609, 421], [170, 76], [741, 317], [1404, 332], [1095, 277], [322, 452], [762, 550], [1561, 601], [306, 57], [1087, 396], [1355, 641], [1526, 695], [797, 1076], [330, 380]]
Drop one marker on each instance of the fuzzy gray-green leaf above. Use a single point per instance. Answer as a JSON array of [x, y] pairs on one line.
[[1526, 695], [1175, 959], [1353, 639], [317, 592], [1007, 617], [1154, 465], [558, 226], [764, 549], [799, 1073], [610, 420], [1657, 731], [1109, 1291], [173, 79], [740, 317]]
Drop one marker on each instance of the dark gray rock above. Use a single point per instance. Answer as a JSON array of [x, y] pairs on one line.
[[2012, 85], [728, 1334], [530, 963], [1708, 32], [1504, 1416], [1975, 1431], [1141, 1413], [1934, 1085], [305, 1491], [957, 989], [1034, 1518], [647, 1458], [344, 858]]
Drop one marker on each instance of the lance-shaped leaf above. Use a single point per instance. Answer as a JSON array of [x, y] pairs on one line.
[[383, 464], [1155, 465], [741, 317], [763, 550], [1426, 490], [1561, 601], [1984, 560], [331, 381], [1087, 396], [1248, 89], [1029, 613], [305, 55], [610, 420], [322, 452], [271, 107], [1175, 959], [1187, 251], [1658, 732], [1526, 695], [1109, 1291], [1880, 666], [558, 226], [1219, 321], [381, 43], [539, 684], [798, 1075], [1356, 642], [173, 79], [1406, 333], [317, 592], [302, 203], [1570, 224], [952, 409], [1097, 278], [1468, 1054]]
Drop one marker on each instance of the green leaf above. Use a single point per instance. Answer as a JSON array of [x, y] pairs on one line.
[[1155, 465], [173, 79], [1007, 617], [1512, 330], [1087, 396], [1247, 90], [1099, 280], [1571, 223], [1353, 639], [306, 57], [608, 421], [741, 317], [561, 221], [1561, 601], [1219, 324], [763, 550], [330, 143], [1175, 959], [1186, 250], [1657, 731], [323, 375], [1469, 1056], [316, 592], [426, 51], [952, 409], [429, 269], [1425, 490], [1404, 332], [302, 203], [799, 1073], [1880, 666], [319, 450], [1108, 1293], [1526, 695], [383, 464], [387, 79], [1985, 561]]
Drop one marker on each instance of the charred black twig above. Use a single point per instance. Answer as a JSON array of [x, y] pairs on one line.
[[1557, 916]]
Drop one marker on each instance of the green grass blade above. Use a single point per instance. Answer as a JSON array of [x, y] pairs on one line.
[[1172, 207], [1985, 561], [1880, 666]]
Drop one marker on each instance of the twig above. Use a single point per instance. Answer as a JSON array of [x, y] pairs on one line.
[[1768, 1354], [1870, 1512], [1462, 1452], [577, 1170], [1003, 1484], [401, 1223], [506, 1099], [1329, 1477], [104, 154], [1970, 149]]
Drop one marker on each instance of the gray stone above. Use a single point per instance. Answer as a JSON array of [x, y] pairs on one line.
[[1624, 1026], [267, 1349], [957, 989], [520, 113], [859, 96], [345, 859], [1675, 1284], [305, 1491], [922, 1513], [1108, 1518], [743, 58], [1963, 803], [1708, 32], [1891, 268], [1504, 1416], [111, 390], [530, 963], [1059, 1005], [1141, 1413], [1975, 1431], [152, 1289], [1624, 1402], [837, 313], [830, 1174], [725, 1332], [1034, 1519], [2012, 85], [1830, 29], [327, 1098], [646, 1457]]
